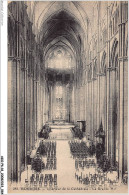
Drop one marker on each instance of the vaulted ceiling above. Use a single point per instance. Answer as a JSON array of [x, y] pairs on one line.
[[60, 29]]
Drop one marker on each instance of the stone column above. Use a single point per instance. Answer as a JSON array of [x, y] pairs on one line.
[[107, 82], [85, 89], [121, 92], [121, 114], [94, 108], [87, 103], [44, 103], [38, 106], [18, 120], [11, 128], [92, 102], [25, 103], [31, 110], [87, 132], [98, 101], [36, 109], [74, 104], [108, 101], [125, 114], [98, 60], [110, 114], [112, 96], [51, 102], [18, 159], [105, 111], [14, 119]]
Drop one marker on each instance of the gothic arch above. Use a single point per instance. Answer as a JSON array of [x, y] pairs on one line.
[[53, 7], [103, 63], [126, 48], [114, 54], [95, 69], [57, 42], [48, 28], [11, 36], [90, 72], [55, 46]]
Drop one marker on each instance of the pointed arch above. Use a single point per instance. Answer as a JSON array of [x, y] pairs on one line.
[[114, 53], [103, 63], [53, 8], [126, 48], [54, 46], [90, 72], [95, 69]]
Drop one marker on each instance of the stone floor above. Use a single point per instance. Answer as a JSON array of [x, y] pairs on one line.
[[61, 134]]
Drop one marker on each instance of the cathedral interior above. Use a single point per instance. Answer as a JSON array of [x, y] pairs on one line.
[[67, 88]]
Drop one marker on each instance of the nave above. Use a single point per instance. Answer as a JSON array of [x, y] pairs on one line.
[[73, 171]]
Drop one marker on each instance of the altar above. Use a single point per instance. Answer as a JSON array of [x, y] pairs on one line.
[[60, 116], [59, 121]]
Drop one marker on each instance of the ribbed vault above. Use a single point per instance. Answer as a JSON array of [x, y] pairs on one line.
[[62, 30]]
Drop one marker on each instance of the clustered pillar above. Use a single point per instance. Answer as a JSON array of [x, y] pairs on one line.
[[25, 89], [105, 88]]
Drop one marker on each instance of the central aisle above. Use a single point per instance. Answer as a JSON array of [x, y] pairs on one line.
[[65, 166]]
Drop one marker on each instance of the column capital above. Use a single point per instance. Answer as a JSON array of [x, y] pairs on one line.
[[34, 79], [122, 23], [14, 58], [100, 74], [111, 68], [123, 58], [94, 78], [11, 58], [24, 69], [89, 81], [29, 74]]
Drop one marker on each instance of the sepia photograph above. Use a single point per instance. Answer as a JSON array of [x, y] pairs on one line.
[[67, 103]]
